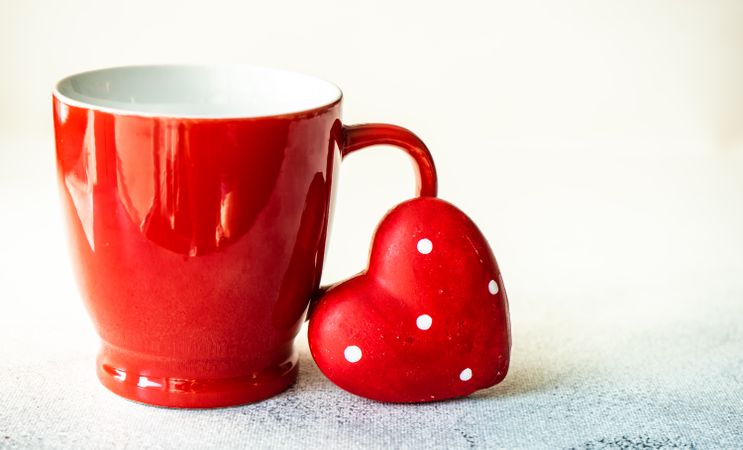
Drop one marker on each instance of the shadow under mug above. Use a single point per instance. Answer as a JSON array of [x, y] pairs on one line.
[[197, 200]]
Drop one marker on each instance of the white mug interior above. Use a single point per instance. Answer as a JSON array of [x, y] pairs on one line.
[[196, 91]]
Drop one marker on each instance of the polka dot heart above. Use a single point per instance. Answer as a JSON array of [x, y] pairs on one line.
[[420, 324]]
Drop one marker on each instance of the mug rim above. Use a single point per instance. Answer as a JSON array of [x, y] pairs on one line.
[[329, 96]]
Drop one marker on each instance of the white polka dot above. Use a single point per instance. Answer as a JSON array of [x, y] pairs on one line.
[[424, 321], [466, 374], [493, 287], [425, 246], [352, 353]]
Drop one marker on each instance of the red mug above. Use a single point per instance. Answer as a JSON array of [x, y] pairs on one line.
[[197, 200]]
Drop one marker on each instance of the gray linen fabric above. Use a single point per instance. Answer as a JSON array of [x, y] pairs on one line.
[[626, 305]]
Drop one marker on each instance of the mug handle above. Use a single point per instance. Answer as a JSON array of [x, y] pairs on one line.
[[356, 137]]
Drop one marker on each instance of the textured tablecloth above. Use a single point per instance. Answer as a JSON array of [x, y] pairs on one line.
[[626, 290]]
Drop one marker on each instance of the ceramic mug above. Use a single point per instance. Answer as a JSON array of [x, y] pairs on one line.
[[198, 201]]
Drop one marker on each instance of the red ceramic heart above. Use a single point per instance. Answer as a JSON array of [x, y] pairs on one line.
[[427, 321]]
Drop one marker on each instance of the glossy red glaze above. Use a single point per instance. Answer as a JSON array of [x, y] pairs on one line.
[[427, 321], [198, 242]]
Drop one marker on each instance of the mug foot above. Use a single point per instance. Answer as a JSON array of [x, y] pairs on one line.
[[176, 392]]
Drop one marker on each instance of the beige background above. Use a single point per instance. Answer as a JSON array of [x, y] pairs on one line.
[[569, 70], [597, 144], [508, 95]]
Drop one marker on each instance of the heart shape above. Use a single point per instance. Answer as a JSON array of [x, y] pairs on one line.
[[428, 320]]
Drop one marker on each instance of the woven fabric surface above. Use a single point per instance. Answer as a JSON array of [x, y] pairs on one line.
[[641, 350]]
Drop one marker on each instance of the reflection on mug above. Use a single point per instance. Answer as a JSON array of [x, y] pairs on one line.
[[194, 202]]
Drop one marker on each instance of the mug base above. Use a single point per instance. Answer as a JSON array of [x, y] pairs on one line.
[[176, 392]]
